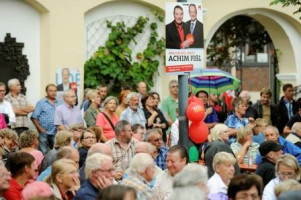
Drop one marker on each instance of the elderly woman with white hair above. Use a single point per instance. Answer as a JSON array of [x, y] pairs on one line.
[[244, 148], [223, 165], [218, 138], [192, 182], [286, 168]]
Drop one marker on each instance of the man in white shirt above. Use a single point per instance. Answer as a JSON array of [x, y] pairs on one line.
[[5, 106], [177, 159]]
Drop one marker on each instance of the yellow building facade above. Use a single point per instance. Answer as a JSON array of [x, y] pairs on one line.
[[62, 30]]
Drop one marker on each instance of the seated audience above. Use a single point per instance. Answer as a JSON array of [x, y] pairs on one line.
[[62, 138], [223, 165], [96, 148], [87, 139], [76, 131], [66, 152], [237, 119], [287, 167], [260, 125], [270, 152], [285, 186], [99, 173], [295, 135], [144, 147], [251, 113], [272, 133], [100, 137], [4, 179], [122, 147], [154, 137], [244, 148], [177, 158], [117, 192], [64, 179], [22, 168], [10, 142], [138, 132], [29, 142], [108, 118], [37, 190], [245, 186], [140, 176], [192, 179], [290, 195], [219, 136]]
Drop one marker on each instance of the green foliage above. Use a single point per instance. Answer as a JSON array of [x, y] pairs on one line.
[[112, 63], [286, 3], [236, 32]]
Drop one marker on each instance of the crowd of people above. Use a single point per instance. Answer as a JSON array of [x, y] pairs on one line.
[[127, 148]]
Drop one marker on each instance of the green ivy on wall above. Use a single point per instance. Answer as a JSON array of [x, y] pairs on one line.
[[112, 63]]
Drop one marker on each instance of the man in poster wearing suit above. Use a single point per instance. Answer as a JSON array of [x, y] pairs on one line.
[[176, 31], [66, 85], [195, 27]]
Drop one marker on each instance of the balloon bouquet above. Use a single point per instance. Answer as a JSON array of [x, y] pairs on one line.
[[198, 129]]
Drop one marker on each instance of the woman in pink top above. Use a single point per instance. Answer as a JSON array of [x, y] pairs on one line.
[[108, 118], [29, 142]]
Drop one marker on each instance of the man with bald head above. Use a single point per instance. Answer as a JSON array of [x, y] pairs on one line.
[[66, 152], [100, 148], [95, 148], [272, 133], [67, 114]]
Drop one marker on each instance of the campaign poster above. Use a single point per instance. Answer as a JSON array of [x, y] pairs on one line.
[[184, 37], [66, 79]]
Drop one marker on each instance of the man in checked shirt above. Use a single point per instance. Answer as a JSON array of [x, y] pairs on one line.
[[20, 106]]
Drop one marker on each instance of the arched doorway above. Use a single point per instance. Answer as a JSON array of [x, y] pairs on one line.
[[284, 31]]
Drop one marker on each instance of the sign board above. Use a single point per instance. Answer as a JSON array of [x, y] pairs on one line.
[[184, 38]]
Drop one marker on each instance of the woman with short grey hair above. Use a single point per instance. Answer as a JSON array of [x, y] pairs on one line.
[[218, 138]]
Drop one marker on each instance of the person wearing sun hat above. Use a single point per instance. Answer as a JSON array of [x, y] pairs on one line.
[[270, 151]]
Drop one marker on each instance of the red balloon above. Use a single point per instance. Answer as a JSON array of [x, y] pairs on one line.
[[195, 112], [198, 132], [195, 100]]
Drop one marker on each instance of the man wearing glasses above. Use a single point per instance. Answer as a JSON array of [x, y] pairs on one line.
[[154, 137], [100, 173], [67, 114], [123, 147]]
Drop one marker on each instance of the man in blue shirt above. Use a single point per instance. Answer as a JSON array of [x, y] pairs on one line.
[[272, 133], [43, 118], [155, 138], [100, 174], [210, 115]]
